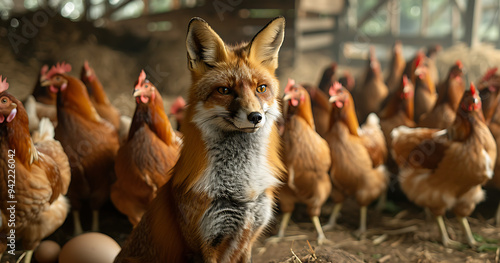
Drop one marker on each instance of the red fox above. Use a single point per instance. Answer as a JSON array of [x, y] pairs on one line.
[[220, 197]]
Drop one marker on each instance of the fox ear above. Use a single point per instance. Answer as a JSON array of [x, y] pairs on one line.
[[204, 46], [265, 46]]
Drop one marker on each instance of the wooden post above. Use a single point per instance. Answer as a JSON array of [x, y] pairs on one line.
[[498, 28], [472, 20], [394, 8], [424, 18], [352, 15]]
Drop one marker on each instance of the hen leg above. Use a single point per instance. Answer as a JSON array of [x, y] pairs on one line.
[[281, 232], [77, 223], [362, 222], [497, 217], [95, 221], [447, 242], [468, 233], [333, 217], [321, 236], [382, 200]]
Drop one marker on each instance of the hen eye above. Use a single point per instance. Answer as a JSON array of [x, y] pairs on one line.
[[262, 88], [223, 90], [4, 100]]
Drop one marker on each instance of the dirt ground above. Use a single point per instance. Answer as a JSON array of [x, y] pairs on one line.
[[401, 233]]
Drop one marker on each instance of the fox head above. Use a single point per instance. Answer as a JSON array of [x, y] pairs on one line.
[[234, 87]]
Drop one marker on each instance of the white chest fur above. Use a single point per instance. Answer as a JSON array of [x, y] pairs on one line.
[[236, 178]]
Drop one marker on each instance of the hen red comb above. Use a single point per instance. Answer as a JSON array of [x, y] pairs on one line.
[[86, 65], [335, 88], [473, 89], [141, 79], [179, 103], [3, 84], [405, 80], [44, 69], [59, 68], [419, 58], [459, 64], [490, 73], [43, 72], [289, 85]]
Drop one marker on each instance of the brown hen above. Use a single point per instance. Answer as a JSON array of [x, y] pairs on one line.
[[444, 169], [34, 178], [306, 158], [143, 163], [357, 156]]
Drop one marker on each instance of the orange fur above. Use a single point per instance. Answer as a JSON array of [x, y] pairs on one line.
[[174, 222]]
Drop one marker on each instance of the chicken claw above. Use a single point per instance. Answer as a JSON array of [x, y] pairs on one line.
[[447, 242], [281, 232], [468, 233], [333, 218]]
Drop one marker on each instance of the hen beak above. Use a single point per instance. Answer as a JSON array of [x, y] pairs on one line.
[[45, 83], [406, 89], [287, 97], [419, 70], [333, 98], [137, 93]]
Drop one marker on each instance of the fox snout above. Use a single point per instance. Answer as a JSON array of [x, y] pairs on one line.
[[249, 120], [255, 117]]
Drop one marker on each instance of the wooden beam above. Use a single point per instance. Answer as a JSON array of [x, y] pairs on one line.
[[472, 20], [494, 21], [455, 22], [109, 12], [395, 17], [437, 14], [369, 14], [424, 18], [389, 40], [460, 8], [352, 14]]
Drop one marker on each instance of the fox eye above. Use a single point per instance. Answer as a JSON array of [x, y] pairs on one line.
[[223, 90], [262, 88]]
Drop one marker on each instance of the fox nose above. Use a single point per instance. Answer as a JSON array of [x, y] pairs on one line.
[[255, 117]]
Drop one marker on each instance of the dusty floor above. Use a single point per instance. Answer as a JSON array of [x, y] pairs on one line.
[[402, 235]]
